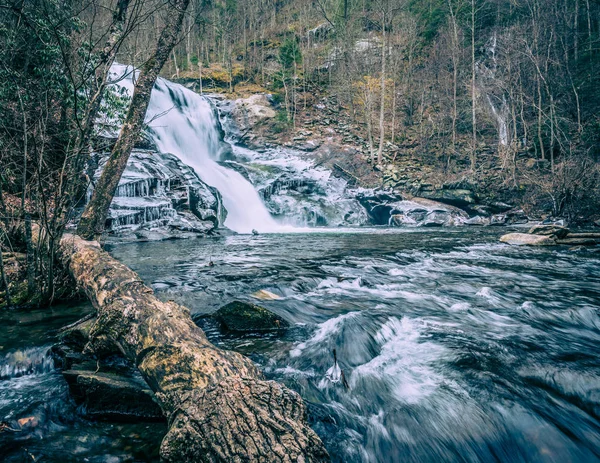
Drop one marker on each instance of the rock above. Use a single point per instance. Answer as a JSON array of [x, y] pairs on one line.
[[478, 220], [28, 421], [309, 145], [458, 197], [156, 190], [113, 396], [244, 317], [549, 230], [108, 386], [499, 206], [398, 220], [597, 223], [516, 216], [484, 211], [526, 239], [248, 112], [435, 205], [265, 295], [379, 204], [498, 219], [435, 219]]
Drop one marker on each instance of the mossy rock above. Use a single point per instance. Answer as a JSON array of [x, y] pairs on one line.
[[243, 317]]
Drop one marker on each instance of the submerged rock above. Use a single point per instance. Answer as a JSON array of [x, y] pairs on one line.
[[244, 317], [526, 239]]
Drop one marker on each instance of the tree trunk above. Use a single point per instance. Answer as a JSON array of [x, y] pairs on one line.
[[95, 214], [473, 91], [382, 107], [218, 406]]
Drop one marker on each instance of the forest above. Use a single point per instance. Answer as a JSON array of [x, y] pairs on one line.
[[350, 165]]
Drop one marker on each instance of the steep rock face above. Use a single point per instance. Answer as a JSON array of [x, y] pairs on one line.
[[158, 190]]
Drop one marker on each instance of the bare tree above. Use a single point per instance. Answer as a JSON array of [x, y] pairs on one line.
[[94, 216]]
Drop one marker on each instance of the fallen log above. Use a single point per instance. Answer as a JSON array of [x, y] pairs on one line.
[[218, 406]]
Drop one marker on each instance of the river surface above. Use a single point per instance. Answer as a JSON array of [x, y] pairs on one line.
[[455, 348]]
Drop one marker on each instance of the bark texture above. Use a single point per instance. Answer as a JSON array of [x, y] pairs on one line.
[[218, 407], [94, 216]]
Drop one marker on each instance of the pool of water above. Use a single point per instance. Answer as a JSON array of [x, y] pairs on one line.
[[454, 347]]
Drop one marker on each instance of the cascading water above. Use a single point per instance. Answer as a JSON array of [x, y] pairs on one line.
[[183, 123]]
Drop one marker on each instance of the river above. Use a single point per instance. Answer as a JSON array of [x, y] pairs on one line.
[[454, 347]]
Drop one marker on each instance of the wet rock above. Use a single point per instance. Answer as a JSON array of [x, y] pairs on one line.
[[265, 295], [244, 317], [113, 396], [526, 239], [108, 386], [580, 239], [379, 204], [158, 191], [478, 220], [549, 230]]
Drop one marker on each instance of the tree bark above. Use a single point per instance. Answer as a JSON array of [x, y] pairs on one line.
[[94, 216], [382, 107], [218, 407]]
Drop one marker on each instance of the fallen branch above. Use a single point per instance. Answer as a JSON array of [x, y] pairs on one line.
[[218, 406]]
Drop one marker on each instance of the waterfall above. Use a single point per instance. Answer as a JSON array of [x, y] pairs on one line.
[[487, 69], [183, 123]]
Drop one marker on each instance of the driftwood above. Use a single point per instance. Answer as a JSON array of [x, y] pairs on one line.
[[218, 407]]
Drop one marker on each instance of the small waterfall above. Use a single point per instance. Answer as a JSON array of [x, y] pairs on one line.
[[183, 123], [25, 362], [498, 104]]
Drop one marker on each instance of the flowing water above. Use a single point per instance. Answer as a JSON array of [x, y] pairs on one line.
[[52, 427], [454, 347], [450, 347]]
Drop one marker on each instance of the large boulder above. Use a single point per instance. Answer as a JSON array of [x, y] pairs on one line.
[[243, 317], [158, 191], [527, 239], [248, 112]]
